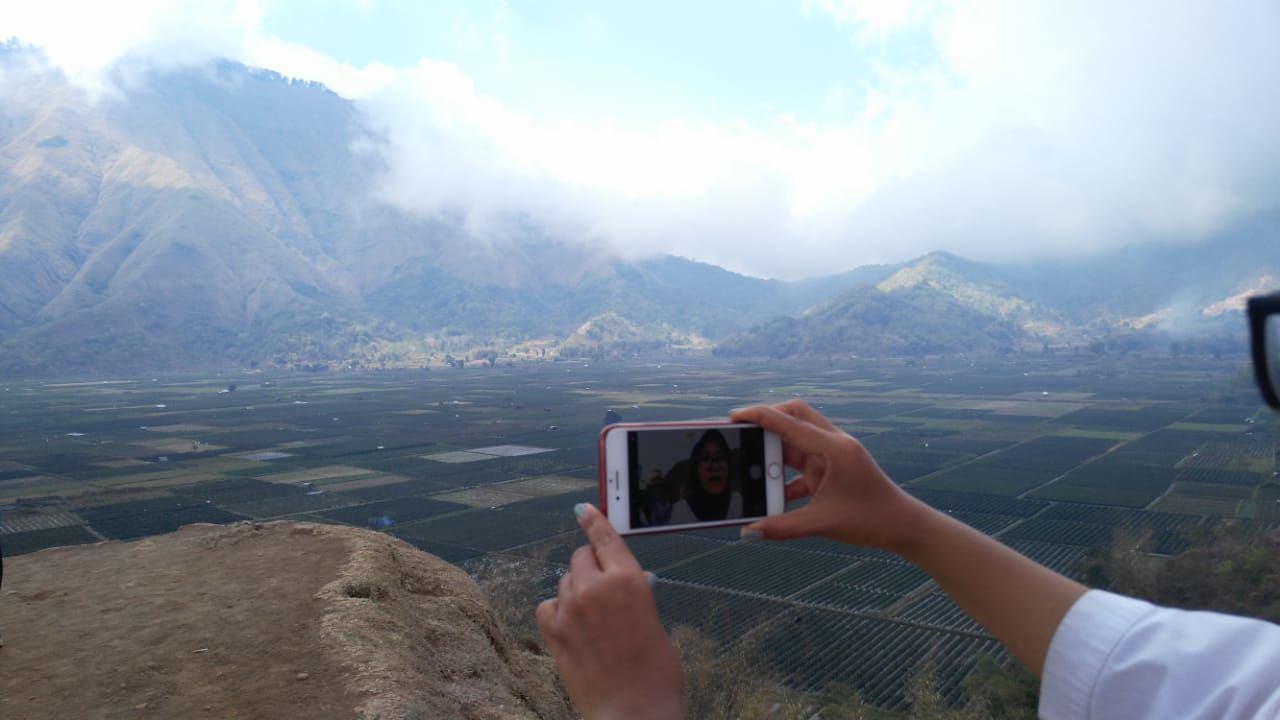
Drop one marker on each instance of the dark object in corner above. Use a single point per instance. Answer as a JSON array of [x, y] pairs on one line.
[[1264, 329]]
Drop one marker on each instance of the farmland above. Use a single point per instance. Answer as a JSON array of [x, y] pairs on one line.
[[1052, 455]]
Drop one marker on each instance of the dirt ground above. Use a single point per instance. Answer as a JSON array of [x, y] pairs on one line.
[[280, 620]]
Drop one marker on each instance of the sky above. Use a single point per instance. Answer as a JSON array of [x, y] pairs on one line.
[[778, 139]]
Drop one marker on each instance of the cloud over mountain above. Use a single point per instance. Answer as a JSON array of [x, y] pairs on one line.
[[994, 129]]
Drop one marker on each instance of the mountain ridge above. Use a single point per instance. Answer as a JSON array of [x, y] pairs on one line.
[[222, 216]]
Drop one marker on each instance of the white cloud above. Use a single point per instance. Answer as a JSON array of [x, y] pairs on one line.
[[86, 38], [1036, 129], [1072, 129], [876, 17], [168, 33], [300, 61], [1040, 130]]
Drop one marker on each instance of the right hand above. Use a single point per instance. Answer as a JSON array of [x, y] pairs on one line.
[[603, 630], [851, 499]]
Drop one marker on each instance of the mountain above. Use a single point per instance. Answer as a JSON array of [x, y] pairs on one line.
[[938, 303], [1176, 286], [982, 289], [1141, 296], [223, 216], [170, 223]]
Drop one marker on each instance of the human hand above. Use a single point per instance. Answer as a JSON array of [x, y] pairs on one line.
[[851, 499], [602, 627]]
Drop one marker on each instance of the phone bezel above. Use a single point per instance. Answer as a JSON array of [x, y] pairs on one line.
[[615, 499]]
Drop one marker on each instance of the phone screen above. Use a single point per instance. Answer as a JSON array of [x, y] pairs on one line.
[[685, 476]]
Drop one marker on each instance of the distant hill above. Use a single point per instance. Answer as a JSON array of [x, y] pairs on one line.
[[924, 307], [1175, 284], [1144, 296], [221, 217]]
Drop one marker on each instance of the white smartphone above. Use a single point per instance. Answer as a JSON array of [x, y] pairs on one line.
[[660, 477]]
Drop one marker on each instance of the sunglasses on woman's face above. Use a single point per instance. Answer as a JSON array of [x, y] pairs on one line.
[[1264, 329]]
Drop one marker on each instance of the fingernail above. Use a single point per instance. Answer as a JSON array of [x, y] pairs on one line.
[[580, 510], [653, 579], [750, 535]]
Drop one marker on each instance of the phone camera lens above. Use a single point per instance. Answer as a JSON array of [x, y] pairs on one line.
[[756, 472]]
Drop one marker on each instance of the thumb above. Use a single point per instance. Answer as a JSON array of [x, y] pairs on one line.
[[795, 524]]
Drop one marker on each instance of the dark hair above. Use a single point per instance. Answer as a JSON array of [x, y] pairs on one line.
[[704, 505], [707, 438]]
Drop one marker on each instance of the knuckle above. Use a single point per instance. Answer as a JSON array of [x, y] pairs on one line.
[[546, 617], [590, 593], [637, 583], [798, 409], [629, 581]]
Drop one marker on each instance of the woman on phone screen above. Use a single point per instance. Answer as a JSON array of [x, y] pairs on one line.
[[709, 494]]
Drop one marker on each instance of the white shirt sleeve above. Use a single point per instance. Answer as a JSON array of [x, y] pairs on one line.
[[1116, 657]]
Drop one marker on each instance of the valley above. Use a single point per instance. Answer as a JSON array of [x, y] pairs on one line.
[[1053, 454]]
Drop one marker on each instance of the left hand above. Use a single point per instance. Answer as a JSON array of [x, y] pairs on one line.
[[602, 628]]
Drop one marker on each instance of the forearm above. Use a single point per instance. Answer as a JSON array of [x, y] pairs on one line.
[[852, 500], [1017, 600]]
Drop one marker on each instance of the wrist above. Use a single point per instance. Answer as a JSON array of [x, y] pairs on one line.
[[659, 697], [914, 528], [651, 707]]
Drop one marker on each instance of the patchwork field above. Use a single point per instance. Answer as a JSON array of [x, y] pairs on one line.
[[1053, 455]]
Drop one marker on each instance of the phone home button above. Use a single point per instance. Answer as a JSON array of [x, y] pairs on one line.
[[775, 470]]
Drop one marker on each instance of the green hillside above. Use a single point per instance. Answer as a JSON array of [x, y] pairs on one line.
[[870, 321]]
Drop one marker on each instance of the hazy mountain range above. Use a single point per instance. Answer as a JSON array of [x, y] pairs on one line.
[[223, 216]]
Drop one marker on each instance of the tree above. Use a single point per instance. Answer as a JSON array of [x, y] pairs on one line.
[[1229, 568]]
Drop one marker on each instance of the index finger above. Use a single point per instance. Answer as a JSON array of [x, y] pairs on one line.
[[804, 411], [611, 552], [799, 434]]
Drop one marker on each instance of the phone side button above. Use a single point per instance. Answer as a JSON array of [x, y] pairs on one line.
[[775, 470]]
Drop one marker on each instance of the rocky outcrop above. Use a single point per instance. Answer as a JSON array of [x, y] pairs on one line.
[[260, 620]]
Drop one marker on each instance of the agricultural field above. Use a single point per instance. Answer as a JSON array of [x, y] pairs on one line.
[[1052, 455]]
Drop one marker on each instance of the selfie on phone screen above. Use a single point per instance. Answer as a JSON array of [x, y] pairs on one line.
[[681, 477]]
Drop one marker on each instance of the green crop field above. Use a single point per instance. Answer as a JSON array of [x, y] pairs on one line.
[[1051, 455]]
